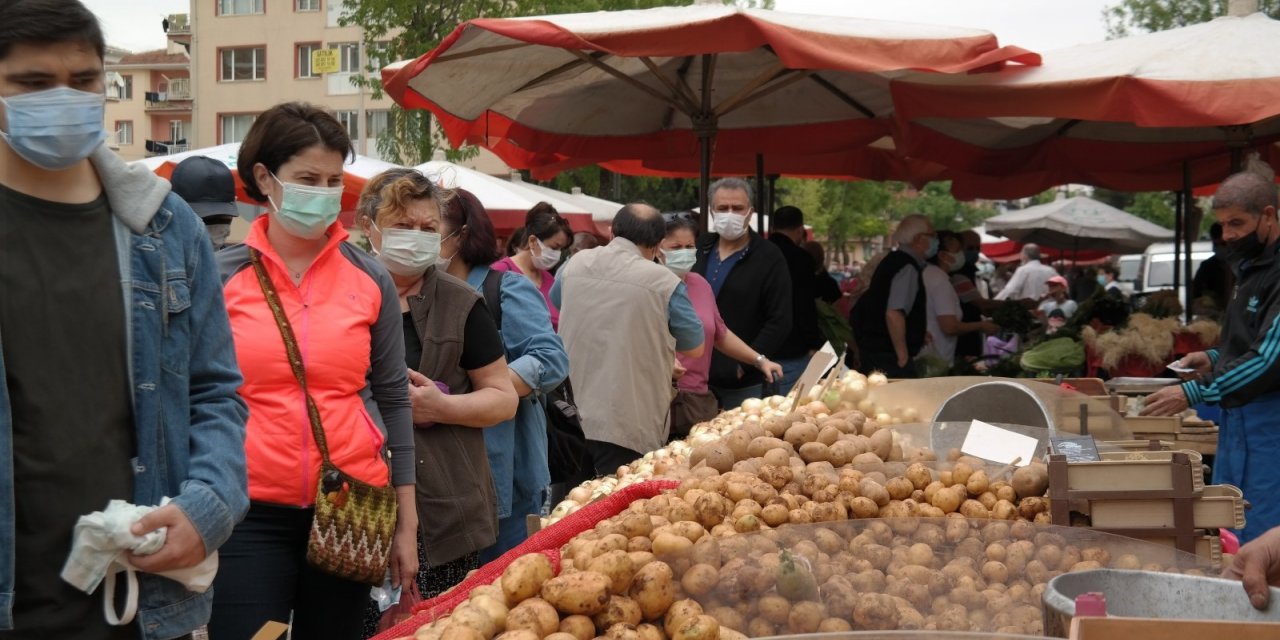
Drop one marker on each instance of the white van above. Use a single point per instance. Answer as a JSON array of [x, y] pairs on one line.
[[1157, 267]]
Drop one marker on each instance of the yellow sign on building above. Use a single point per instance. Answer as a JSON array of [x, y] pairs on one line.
[[324, 61]]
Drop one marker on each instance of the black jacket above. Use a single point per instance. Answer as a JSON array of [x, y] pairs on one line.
[[755, 303], [805, 335], [870, 330], [1247, 363]]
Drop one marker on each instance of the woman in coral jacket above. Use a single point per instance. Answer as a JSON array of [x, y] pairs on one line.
[[345, 313]]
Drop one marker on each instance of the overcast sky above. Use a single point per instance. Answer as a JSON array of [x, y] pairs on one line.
[[1039, 25]]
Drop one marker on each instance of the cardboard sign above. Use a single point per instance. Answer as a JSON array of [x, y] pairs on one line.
[[1076, 448], [990, 442], [271, 631], [324, 61], [820, 363]]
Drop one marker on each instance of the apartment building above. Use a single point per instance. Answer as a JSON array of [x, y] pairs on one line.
[[150, 94], [250, 54]]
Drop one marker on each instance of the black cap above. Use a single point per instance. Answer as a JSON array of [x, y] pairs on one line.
[[207, 185], [1058, 313]]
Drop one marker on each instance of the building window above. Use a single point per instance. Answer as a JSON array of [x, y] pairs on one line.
[[379, 54], [348, 56], [124, 132], [240, 7], [247, 63], [178, 131], [350, 120], [126, 93], [306, 5], [304, 59], [235, 128], [377, 122]]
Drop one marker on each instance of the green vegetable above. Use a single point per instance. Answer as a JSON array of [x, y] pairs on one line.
[[1058, 354], [833, 326], [1013, 316]]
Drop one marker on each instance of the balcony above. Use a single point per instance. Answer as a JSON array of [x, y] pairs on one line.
[[179, 24], [175, 98], [165, 148]]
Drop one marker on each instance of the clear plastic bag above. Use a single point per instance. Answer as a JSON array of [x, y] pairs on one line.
[[402, 608]]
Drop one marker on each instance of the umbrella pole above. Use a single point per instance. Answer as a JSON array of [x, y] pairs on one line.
[[760, 193], [704, 181], [1179, 217], [773, 195], [705, 125], [1187, 203]]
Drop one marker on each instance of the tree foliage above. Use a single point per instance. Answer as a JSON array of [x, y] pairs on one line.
[[1137, 16]]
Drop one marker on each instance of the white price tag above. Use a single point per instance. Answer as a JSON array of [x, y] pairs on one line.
[[990, 442]]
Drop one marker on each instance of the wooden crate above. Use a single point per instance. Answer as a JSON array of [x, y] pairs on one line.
[[1086, 628], [1154, 424], [1217, 507], [1133, 471]]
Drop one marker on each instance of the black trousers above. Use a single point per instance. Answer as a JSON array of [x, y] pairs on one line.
[[263, 575], [888, 363], [608, 456]]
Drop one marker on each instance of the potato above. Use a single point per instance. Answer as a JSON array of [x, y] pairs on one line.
[[617, 566], [635, 524], [800, 433], [805, 617], [774, 609], [524, 577], [580, 627], [738, 441], [977, 483], [468, 614], [882, 443], [536, 615], [649, 632], [762, 445], [620, 609], [702, 627], [974, 509], [671, 545], [815, 452], [652, 589], [699, 579], [758, 628], [867, 459], [860, 507], [494, 608], [678, 613], [774, 515], [899, 488], [457, 631], [519, 634], [622, 631], [948, 500], [583, 593], [873, 490], [1031, 480]]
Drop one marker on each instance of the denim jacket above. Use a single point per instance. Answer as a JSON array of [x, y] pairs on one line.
[[188, 419], [517, 448]]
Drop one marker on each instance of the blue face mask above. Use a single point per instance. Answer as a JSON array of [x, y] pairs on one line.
[[306, 211], [933, 248], [1102, 280], [55, 128]]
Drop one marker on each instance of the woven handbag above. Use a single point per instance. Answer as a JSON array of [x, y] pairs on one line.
[[354, 523]]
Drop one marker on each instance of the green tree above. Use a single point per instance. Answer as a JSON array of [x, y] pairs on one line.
[[944, 211], [1130, 16], [404, 29], [1154, 206]]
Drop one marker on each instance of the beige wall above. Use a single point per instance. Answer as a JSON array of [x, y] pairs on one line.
[[132, 110], [279, 29]]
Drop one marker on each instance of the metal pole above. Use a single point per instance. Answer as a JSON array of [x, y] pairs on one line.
[[1179, 216], [760, 197], [704, 126], [1192, 235]]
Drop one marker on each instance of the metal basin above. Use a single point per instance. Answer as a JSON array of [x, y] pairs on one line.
[[1145, 594]]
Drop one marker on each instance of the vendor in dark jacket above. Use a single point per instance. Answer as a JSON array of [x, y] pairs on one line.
[[753, 291], [788, 234], [889, 320]]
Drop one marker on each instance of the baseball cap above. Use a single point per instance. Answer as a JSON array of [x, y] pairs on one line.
[[207, 185], [1058, 280], [1057, 318]]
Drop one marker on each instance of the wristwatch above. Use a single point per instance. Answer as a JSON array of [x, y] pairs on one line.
[[760, 359]]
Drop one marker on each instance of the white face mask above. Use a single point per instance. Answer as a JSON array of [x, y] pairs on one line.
[[443, 263], [729, 225], [953, 262], [218, 234], [406, 252], [680, 261], [547, 257]]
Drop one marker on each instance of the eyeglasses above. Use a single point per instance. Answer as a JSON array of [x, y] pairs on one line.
[[670, 217]]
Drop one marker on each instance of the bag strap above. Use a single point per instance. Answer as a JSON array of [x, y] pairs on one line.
[[492, 290], [291, 348]]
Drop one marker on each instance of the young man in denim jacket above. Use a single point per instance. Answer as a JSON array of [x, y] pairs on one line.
[[120, 377]]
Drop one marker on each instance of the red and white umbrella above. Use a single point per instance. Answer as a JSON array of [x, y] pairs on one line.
[[1129, 114], [663, 83]]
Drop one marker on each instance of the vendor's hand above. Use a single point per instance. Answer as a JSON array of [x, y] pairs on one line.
[[772, 371], [989, 328], [1199, 361], [425, 397], [183, 547], [1257, 565], [903, 359], [678, 370], [1169, 401]]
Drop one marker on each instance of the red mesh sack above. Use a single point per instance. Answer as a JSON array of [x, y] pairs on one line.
[[547, 542]]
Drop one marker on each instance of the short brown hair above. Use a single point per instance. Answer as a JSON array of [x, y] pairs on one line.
[[391, 191], [283, 131]]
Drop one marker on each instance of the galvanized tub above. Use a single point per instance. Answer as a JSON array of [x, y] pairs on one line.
[[1146, 594]]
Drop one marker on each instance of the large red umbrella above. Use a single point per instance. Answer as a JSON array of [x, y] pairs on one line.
[[664, 83], [1143, 113]]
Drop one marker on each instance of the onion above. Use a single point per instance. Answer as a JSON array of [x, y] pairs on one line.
[[877, 379], [753, 404]]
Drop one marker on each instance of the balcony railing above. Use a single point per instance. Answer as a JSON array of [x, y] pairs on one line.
[[168, 101], [163, 148], [179, 23]]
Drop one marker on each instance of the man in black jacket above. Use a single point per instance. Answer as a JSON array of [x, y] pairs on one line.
[[788, 234], [889, 320], [753, 291]]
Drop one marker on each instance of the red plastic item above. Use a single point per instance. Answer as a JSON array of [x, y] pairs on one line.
[[1230, 543], [547, 542], [1092, 604], [403, 610]]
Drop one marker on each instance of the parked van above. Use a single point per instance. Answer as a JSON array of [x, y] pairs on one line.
[[1157, 267], [1130, 266]]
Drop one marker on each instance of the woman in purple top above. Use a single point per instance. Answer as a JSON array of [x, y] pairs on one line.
[[546, 235], [694, 403]]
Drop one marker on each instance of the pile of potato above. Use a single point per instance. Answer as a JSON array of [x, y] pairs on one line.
[[642, 576]]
